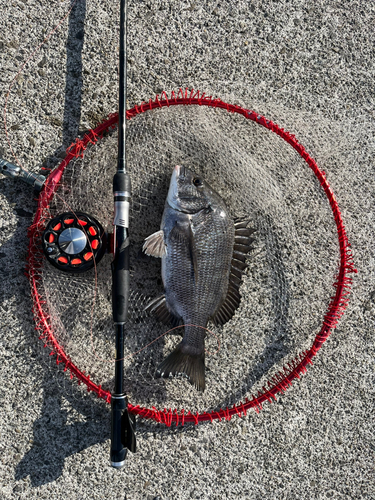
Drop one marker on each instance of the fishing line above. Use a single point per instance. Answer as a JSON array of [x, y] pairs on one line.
[[175, 328]]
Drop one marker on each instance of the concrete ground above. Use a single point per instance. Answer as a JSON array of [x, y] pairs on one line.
[[309, 66]]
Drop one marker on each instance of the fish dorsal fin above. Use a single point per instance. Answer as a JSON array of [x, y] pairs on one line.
[[158, 308], [154, 245], [242, 245], [186, 236]]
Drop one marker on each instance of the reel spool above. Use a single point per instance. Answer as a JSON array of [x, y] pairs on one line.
[[74, 242]]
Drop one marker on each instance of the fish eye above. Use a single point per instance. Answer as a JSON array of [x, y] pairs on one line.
[[197, 181]]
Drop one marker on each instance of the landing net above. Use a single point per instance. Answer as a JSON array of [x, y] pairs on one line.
[[288, 307]]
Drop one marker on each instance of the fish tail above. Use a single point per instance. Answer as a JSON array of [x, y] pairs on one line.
[[184, 360]]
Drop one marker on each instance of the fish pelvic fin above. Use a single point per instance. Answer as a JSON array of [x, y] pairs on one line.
[[181, 362], [158, 308], [154, 245]]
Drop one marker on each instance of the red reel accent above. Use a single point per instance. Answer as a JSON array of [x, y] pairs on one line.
[[88, 256]]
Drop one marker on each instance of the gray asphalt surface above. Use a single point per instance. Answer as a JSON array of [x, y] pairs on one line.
[[309, 66]]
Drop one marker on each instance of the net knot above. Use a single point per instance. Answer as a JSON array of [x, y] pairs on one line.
[[76, 149], [91, 136]]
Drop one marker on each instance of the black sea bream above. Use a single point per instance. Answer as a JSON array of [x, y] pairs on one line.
[[203, 255]]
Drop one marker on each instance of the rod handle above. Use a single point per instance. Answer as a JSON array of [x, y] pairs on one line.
[[118, 451], [122, 431], [121, 283]]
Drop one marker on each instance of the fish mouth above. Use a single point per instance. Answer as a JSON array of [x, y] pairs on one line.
[[174, 196], [180, 172]]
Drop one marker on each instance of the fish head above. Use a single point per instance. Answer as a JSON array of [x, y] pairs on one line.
[[188, 192]]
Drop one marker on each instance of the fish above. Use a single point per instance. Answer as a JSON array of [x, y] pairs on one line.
[[203, 253]]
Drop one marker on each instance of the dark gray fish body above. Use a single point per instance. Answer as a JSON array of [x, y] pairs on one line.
[[196, 243], [194, 290]]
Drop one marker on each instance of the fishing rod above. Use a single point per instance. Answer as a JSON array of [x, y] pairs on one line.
[[122, 423], [63, 250]]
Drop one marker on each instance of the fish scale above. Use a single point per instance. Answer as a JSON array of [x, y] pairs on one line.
[[195, 301]]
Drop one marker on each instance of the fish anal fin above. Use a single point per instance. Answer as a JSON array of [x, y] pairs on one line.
[[154, 245]]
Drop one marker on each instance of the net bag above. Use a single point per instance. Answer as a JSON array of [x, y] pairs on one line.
[[287, 309]]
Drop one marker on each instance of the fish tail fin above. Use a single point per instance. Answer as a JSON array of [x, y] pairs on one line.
[[184, 361]]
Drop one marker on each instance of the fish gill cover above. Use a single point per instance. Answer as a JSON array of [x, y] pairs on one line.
[[286, 289]]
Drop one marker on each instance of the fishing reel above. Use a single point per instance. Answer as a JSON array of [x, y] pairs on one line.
[[74, 242]]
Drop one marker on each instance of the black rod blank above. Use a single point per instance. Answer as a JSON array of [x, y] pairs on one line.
[[121, 166], [122, 423]]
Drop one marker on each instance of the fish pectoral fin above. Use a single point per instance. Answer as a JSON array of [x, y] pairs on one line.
[[181, 362], [179, 234], [158, 308], [185, 235], [154, 245], [193, 252]]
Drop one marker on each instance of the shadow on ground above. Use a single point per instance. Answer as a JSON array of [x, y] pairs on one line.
[[57, 436], [69, 422]]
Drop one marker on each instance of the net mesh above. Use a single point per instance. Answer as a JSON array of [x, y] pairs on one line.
[[286, 290]]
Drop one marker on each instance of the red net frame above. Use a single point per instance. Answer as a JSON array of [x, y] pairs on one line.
[[282, 379]]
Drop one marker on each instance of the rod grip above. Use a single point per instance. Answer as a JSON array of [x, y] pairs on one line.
[[121, 182], [121, 283]]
